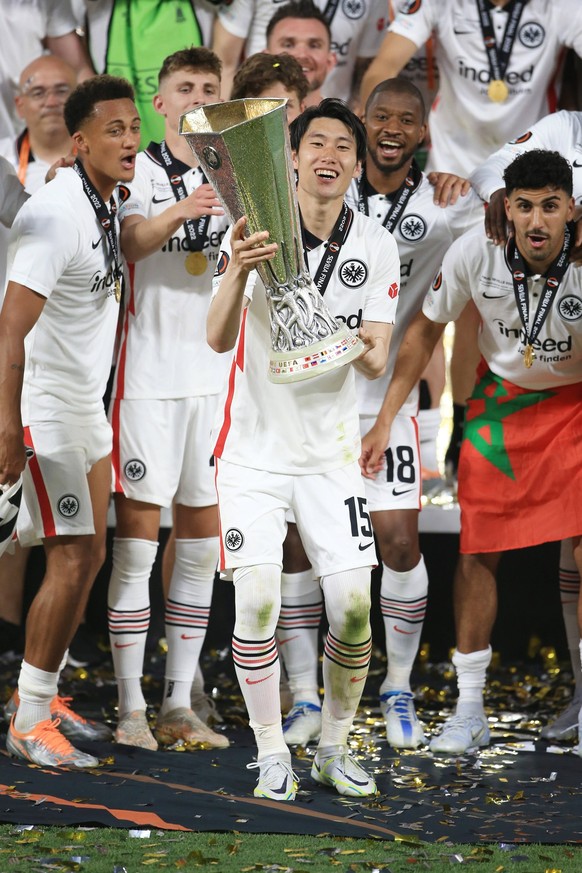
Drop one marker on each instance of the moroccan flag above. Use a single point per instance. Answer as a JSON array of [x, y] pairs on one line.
[[520, 470]]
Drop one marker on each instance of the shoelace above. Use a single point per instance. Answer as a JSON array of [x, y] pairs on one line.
[[47, 734], [254, 765], [65, 703]]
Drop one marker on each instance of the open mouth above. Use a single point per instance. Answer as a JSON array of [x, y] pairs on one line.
[[536, 240], [326, 174], [389, 148], [128, 162]]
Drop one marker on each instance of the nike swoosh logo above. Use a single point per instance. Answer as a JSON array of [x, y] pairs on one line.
[[358, 678], [123, 645], [363, 548], [400, 631], [288, 640], [256, 681], [398, 491], [576, 164], [186, 637], [161, 199], [282, 789], [493, 296], [97, 244]]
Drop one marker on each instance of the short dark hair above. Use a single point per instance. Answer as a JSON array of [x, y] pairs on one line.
[[192, 58], [298, 9], [80, 105], [539, 169], [331, 107], [398, 85], [260, 71]]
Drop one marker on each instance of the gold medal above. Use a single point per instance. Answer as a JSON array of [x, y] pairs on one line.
[[118, 290], [528, 356], [497, 91], [195, 263]]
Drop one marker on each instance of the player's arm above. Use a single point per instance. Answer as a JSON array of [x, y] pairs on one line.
[[142, 236], [20, 312], [394, 54], [229, 49], [376, 337], [72, 49], [448, 187], [223, 322], [414, 354]]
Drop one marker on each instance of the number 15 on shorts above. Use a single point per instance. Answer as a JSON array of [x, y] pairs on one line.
[[360, 521]]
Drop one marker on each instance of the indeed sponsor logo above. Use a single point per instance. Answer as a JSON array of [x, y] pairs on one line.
[[352, 321], [484, 75], [547, 345]]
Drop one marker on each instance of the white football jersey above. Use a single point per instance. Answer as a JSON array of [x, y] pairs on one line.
[[475, 268], [357, 28], [163, 352], [560, 132], [422, 234], [36, 169], [465, 125], [59, 250], [310, 426]]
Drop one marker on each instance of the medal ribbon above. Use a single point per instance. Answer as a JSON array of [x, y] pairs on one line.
[[196, 232], [408, 187], [553, 276], [499, 58], [105, 217], [330, 10], [335, 242]]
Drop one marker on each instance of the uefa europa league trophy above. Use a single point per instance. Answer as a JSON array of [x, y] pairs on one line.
[[244, 150]]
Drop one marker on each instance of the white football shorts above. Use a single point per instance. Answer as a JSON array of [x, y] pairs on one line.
[[398, 485]]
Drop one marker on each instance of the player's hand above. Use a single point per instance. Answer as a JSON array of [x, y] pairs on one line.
[[249, 251], [66, 161], [448, 188], [12, 456], [369, 340], [496, 224], [203, 201], [374, 445], [576, 250]]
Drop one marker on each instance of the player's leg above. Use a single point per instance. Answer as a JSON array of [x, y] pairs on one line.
[[565, 726], [252, 506], [475, 596], [394, 502], [71, 520], [187, 612], [335, 528], [429, 414], [298, 637]]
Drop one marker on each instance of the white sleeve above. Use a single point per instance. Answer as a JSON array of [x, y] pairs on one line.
[[468, 212], [43, 243], [415, 21], [552, 132], [237, 17], [450, 290], [569, 23], [61, 18], [223, 262], [140, 195], [373, 33], [383, 284], [12, 194]]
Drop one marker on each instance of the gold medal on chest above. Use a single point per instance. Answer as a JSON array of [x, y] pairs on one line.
[[195, 263], [497, 91], [117, 287], [528, 356]]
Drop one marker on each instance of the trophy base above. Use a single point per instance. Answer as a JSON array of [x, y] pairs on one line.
[[295, 366]]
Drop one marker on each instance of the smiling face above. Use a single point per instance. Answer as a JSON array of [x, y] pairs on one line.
[[184, 90], [108, 141], [307, 40], [326, 161], [539, 217], [395, 128]]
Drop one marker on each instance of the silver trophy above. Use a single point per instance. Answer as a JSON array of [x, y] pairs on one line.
[[244, 150]]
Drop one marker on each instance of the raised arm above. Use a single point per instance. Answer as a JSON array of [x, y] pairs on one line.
[[223, 322], [394, 54], [142, 236], [229, 49]]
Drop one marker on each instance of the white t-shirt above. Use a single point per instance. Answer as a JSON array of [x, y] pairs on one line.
[[465, 125], [311, 426], [163, 352], [357, 28], [24, 24], [59, 250], [476, 268], [560, 132], [423, 233]]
